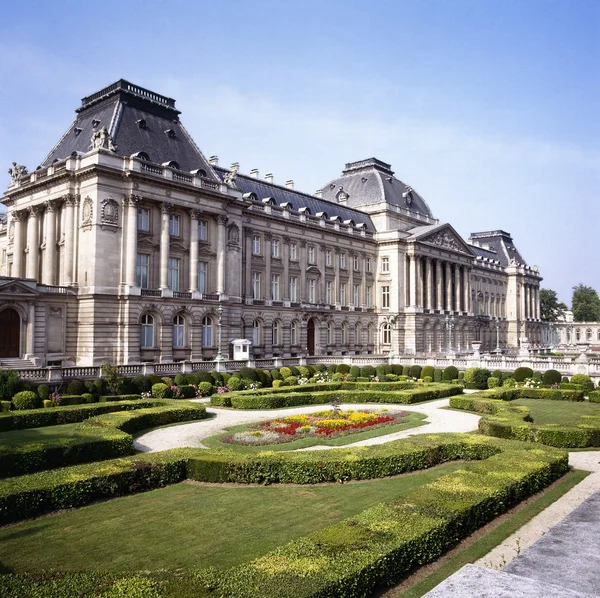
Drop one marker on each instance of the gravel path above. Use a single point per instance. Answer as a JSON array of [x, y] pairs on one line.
[[192, 434]]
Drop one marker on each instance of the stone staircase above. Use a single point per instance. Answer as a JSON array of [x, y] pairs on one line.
[[14, 363]]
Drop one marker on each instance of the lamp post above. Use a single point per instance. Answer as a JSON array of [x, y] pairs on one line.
[[497, 324], [219, 358], [449, 328], [391, 320]]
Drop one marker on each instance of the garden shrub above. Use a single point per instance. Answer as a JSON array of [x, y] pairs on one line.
[[437, 374], [219, 378], [293, 380], [354, 371], [331, 369], [26, 399], [306, 372], [5, 405], [116, 398], [295, 371], [204, 376], [275, 375], [9, 382], [235, 383], [285, 372], [343, 368], [564, 379], [396, 369], [521, 374], [551, 377], [206, 389], [497, 374], [476, 378], [112, 377], [337, 377], [161, 391], [537, 376], [367, 371], [263, 377], [450, 373], [167, 380], [427, 379], [584, 381], [188, 391], [87, 397], [276, 384], [248, 374], [461, 375], [594, 396], [141, 384], [493, 382], [154, 379], [48, 403], [320, 367], [43, 391], [509, 383], [427, 371], [415, 371], [180, 380]]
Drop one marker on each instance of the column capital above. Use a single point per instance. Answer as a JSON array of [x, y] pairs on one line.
[[286, 239], [166, 207], [303, 243], [131, 200], [19, 215], [70, 199], [34, 211], [268, 236], [51, 205], [195, 214], [248, 232], [221, 219]]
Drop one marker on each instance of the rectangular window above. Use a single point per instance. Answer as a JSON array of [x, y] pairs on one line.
[[369, 296], [256, 244], [293, 252], [174, 225], [4, 257], [385, 296], [293, 288], [355, 264], [342, 260], [202, 230], [342, 293], [256, 285], [203, 277], [368, 264], [275, 248], [329, 292], [311, 254], [356, 295], [385, 264], [178, 332], [275, 287], [142, 263], [311, 290], [143, 219], [173, 274], [328, 257]]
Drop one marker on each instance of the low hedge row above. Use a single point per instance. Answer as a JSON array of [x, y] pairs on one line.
[[371, 394], [503, 420], [102, 437], [594, 396]]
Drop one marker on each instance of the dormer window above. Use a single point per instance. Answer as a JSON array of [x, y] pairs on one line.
[[77, 130], [341, 196], [141, 156], [141, 123], [172, 164], [250, 196], [268, 201], [95, 123], [305, 211], [170, 133]]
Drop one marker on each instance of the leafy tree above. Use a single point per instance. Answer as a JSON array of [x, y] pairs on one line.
[[586, 304], [551, 309]]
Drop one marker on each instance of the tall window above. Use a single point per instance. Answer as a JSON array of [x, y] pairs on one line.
[[369, 296], [207, 332], [342, 260], [142, 264], [275, 287], [368, 264], [355, 263], [342, 293], [293, 288], [256, 285], [356, 295], [173, 274], [275, 248], [369, 335], [344, 339], [202, 230], [143, 219], [276, 333], [330, 334], [203, 277], [385, 264], [174, 225], [256, 333], [385, 296], [311, 254], [311, 290], [147, 333], [577, 335], [256, 244], [178, 332], [328, 257], [386, 331], [588, 334], [293, 252], [294, 333], [329, 292]]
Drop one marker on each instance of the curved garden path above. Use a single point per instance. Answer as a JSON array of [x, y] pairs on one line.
[[192, 434]]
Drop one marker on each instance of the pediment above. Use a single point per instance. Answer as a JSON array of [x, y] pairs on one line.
[[147, 242], [313, 270], [14, 287], [206, 250], [446, 238]]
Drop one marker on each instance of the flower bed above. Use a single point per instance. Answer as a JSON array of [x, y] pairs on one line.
[[331, 423]]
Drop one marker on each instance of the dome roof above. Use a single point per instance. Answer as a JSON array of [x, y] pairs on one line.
[[372, 181]]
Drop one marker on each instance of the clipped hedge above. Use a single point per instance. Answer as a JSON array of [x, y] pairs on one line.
[[102, 437], [594, 396]]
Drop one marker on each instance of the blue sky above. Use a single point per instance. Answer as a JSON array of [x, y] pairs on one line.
[[488, 108]]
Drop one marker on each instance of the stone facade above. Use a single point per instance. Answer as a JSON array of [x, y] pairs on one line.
[[128, 245]]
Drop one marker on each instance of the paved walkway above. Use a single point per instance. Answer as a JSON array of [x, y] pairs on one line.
[[192, 434]]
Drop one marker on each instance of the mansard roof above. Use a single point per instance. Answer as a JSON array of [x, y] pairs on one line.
[[264, 189], [372, 181], [138, 120], [498, 245]]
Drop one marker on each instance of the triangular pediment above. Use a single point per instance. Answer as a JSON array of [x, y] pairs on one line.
[[445, 237], [15, 287]]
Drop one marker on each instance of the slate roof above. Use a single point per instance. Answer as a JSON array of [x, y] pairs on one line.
[[501, 244], [121, 108], [263, 189], [372, 181]]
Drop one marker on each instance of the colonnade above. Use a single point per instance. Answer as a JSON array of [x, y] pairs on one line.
[[438, 284], [530, 301]]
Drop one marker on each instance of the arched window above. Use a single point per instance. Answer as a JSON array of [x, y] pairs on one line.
[[256, 333], [207, 332], [276, 333], [386, 334], [330, 334], [147, 334], [178, 332], [577, 334], [294, 333], [588, 334], [344, 339]]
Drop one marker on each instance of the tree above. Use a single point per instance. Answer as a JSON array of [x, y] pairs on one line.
[[551, 309], [586, 304]]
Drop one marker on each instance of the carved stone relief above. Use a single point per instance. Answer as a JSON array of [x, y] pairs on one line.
[[110, 212]]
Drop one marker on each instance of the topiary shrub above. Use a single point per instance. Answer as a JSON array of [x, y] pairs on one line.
[[355, 371], [87, 397], [188, 391], [537, 376], [427, 371], [461, 375], [367, 371], [450, 373], [521, 374], [167, 380], [48, 403], [293, 380], [9, 381], [415, 371], [248, 374], [497, 374], [43, 391], [75, 387], [285, 372], [331, 369], [493, 382], [509, 383], [180, 380], [206, 389], [551, 377], [26, 399], [203, 377], [406, 370], [427, 379], [564, 379], [584, 381], [343, 368], [154, 379], [161, 391], [437, 374], [337, 377], [277, 383], [380, 371], [141, 384], [234, 383], [275, 375], [396, 369], [476, 378]]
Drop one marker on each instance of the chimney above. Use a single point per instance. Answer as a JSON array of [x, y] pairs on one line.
[[269, 177], [254, 173], [318, 193], [235, 166], [214, 160], [289, 184]]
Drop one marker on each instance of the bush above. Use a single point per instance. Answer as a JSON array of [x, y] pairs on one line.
[[235, 383], [354, 371], [26, 399], [9, 381], [509, 383], [584, 381], [188, 391], [415, 371], [461, 375], [331, 369], [437, 374], [203, 376], [521, 374], [43, 391], [276, 383], [427, 371], [180, 380], [476, 378], [343, 368], [264, 377], [248, 374], [551, 377], [219, 379], [206, 389], [5, 405], [87, 397], [161, 391], [166, 380], [367, 371], [497, 374], [450, 373], [285, 372], [114, 380], [141, 384], [154, 379], [537, 376], [594, 396], [396, 369], [427, 379], [493, 382], [564, 379], [48, 403], [275, 375]]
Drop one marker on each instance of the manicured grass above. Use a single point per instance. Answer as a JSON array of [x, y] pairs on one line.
[[496, 536], [46, 434], [566, 413], [413, 420], [189, 525]]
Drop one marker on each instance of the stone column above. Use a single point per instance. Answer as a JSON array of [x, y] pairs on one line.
[[194, 217], [364, 282], [537, 303], [303, 264], [30, 348], [69, 239], [457, 287], [49, 264], [412, 280], [164, 245], [429, 272], [439, 299], [17, 268], [131, 248], [321, 265], [33, 242], [268, 255], [248, 232], [448, 286], [286, 269], [468, 306], [350, 265], [522, 302], [221, 255]]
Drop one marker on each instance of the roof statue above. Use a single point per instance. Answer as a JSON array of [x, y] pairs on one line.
[[102, 140], [407, 195], [231, 175], [16, 171]]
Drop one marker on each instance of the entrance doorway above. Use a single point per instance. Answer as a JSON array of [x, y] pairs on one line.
[[310, 337], [10, 333]]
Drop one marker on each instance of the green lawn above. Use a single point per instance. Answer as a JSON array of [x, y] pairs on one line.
[[189, 525], [558, 412], [44, 434], [413, 420]]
